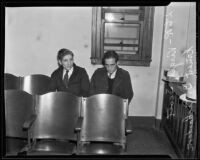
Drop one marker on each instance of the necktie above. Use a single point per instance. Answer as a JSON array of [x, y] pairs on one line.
[[66, 79]]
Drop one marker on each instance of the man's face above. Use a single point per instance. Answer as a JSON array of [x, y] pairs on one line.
[[110, 65], [67, 62]]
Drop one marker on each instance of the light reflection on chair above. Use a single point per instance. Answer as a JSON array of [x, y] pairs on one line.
[[11, 81], [58, 121], [53, 129], [36, 84], [18, 107], [103, 128]]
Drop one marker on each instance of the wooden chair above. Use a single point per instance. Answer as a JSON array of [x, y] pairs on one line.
[[11, 81], [18, 107], [53, 130], [36, 84], [104, 125]]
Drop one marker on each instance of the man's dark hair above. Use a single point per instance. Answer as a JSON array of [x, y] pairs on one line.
[[63, 52], [110, 54]]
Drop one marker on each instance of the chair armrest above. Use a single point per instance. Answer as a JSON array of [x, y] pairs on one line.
[[24, 150], [28, 123], [128, 126], [79, 124]]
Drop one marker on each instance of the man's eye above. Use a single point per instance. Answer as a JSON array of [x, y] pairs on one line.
[[109, 64]]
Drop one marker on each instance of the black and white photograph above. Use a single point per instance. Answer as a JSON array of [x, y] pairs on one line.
[[84, 81]]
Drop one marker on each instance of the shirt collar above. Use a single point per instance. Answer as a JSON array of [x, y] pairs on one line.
[[69, 72], [113, 74], [71, 69]]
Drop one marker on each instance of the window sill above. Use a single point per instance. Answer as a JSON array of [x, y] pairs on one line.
[[145, 63]]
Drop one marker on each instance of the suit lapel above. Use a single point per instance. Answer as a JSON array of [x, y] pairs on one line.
[[105, 79], [117, 80], [61, 75], [74, 74], [71, 78]]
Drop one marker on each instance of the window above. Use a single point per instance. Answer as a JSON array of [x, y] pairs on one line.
[[127, 30]]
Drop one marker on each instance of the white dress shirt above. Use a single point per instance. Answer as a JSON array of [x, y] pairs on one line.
[[69, 73], [113, 74]]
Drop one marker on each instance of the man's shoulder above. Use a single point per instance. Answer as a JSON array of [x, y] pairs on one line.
[[100, 70], [123, 71], [80, 69], [56, 72]]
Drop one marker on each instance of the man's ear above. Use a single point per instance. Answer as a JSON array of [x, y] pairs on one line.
[[117, 62], [59, 61]]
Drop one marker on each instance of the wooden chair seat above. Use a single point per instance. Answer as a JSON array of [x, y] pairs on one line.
[[52, 147], [96, 148]]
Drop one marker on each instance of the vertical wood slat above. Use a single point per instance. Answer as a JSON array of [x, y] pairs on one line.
[[184, 128], [173, 116], [181, 125], [195, 137], [185, 133], [191, 141], [176, 108], [178, 120], [96, 34]]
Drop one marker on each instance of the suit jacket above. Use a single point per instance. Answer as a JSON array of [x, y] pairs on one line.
[[122, 86], [78, 83]]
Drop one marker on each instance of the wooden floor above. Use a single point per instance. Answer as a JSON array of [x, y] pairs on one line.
[[149, 141]]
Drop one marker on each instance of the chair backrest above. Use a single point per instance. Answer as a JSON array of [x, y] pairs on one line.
[[57, 115], [103, 118], [36, 84], [11, 81], [19, 105]]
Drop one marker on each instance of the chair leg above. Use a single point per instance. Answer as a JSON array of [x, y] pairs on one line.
[[125, 147], [24, 150], [78, 143], [78, 147], [22, 153], [75, 150]]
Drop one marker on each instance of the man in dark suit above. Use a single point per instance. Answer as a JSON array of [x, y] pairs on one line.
[[69, 77], [111, 79]]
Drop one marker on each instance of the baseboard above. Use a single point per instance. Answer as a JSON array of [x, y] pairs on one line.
[[158, 123], [145, 121]]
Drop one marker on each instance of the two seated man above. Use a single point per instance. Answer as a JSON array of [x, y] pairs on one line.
[[110, 79]]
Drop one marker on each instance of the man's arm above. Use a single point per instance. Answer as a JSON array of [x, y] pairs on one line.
[[128, 88], [85, 84], [92, 84], [52, 85]]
